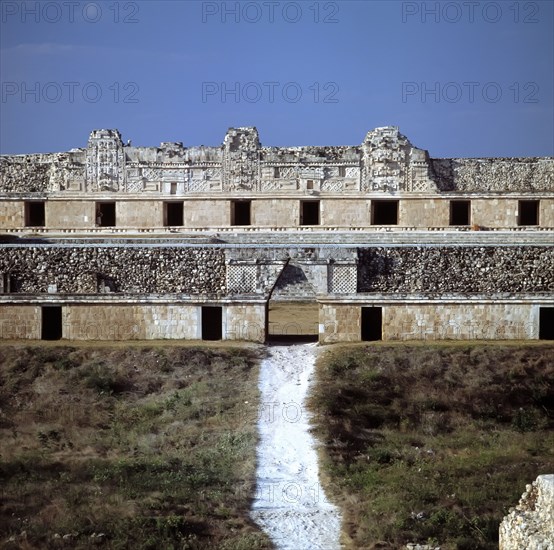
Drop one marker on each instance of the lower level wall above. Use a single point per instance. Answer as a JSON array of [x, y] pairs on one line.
[[244, 322], [510, 321], [134, 322], [130, 322], [338, 322], [20, 322], [460, 322]]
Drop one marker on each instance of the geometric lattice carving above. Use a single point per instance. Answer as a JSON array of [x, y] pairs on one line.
[[241, 279], [135, 185], [288, 172], [418, 178], [342, 279], [332, 185], [152, 174], [198, 185], [271, 185], [352, 171], [213, 173]]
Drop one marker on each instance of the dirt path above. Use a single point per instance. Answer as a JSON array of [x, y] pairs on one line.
[[290, 504]]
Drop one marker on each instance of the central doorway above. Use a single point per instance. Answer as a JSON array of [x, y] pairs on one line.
[[293, 311], [293, 321]]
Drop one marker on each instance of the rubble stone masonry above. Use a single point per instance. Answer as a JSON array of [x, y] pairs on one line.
[[530, 525], [122, 269]]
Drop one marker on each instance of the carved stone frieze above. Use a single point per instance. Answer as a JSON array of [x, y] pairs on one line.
[[386, 162], [240, 159], [105, 161]]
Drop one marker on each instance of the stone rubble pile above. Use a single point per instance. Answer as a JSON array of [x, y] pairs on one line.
[[468, 269], [530, 525]]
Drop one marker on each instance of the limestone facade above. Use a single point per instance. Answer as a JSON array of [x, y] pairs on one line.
[[346, 183], [125, 242]]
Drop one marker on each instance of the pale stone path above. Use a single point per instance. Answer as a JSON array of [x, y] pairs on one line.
[[290, 504]]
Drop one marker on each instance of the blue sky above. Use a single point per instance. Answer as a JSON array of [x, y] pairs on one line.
[[459, 78]]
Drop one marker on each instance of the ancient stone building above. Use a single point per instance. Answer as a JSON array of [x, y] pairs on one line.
[[114, 241]]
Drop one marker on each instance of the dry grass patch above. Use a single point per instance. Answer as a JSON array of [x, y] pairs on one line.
[[433, 444], [135, 447]]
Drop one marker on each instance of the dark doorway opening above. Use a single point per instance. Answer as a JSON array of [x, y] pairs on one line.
[[51, 322], [384, 212], [240, 212], [173, 214], [8, 283], [105, 214], [309, 212], [460, 212], [34, 214], [528, 213], [212, 322], [546, 323], [372, 324]]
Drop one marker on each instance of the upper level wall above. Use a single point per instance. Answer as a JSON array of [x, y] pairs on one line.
[[456, 269], [386, 162], [123, 269]]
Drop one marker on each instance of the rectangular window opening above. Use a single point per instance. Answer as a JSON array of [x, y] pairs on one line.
[[34, 214], [384, 212], [105, 284], [212, 322], [342, 171], [460, 212], [372, 324], [51, 328], [546, 323], [173, 214], [240, 212], [528, 212], [173, 188], [105, 214], [309, 184], [309, 212], [276, 172]]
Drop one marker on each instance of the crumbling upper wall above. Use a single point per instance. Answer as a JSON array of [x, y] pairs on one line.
[[135, 270], [42, 173], [456, 269], [386, 162], [496, 175]]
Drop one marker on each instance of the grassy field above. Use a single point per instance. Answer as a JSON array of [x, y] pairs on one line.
[[128, 447], [433, 444]]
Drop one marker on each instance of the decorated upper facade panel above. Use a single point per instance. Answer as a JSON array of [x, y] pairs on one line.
[[385, 162]]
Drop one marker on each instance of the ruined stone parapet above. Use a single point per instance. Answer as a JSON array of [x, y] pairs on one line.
[[42, 173], [441, 270], [120, 269], [386, 162], [530, 525], [494, 175]]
